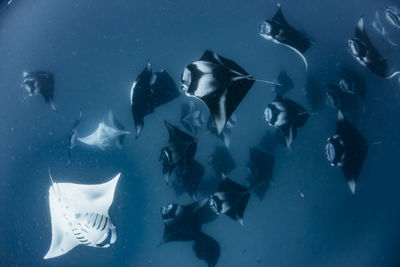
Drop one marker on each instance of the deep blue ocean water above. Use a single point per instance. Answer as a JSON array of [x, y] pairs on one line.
[[97, 48]]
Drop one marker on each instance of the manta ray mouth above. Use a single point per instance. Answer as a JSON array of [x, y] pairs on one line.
[[392, 16], [335, 151], [265, 29], [186, 80], [28, 85], [346, 86], [353, 47], [171, 213], [330, 152], [268, 114]]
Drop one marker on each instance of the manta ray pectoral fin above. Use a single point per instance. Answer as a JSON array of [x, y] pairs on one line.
[[113, 235], [279, 17], [207, 248], [360, 24], [51, 104], [148, 66], [352, 186], [287, 131], [61, 243], [226, 139], [61, 240], [340, 116], [139, 127]]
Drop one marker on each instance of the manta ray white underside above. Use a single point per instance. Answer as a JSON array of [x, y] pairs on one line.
[[79, 216], [107, 134]]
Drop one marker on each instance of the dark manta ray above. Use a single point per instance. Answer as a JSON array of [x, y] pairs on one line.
[[231, 199], [260, 169], [40, 82], [286, 115], [347, 149], [183, 223], [72, 138], [362, 49], [221, 161], [280, 31], [177, 156], [219, 82], [179, 151], [150, 90], [286, 83]]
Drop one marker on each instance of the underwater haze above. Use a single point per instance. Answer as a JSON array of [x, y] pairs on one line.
[[96, 49]]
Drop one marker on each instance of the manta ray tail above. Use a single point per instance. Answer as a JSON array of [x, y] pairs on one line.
[[249, 77], [265, 81]]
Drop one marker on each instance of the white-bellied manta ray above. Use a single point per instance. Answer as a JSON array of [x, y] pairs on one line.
[[109, 132], [364, 51], [230, 199], [278, 30], [220, 83], [286, 115], [79, 216], [347, 149]]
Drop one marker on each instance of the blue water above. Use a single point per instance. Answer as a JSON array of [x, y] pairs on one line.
[[97, 48]]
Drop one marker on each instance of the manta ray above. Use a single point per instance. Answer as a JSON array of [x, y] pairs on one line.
[[287, 116], [149, 91], [108, 132], [79, 216], [278, 30], [218, 82], [184, 223], [365, 52], [40, 83], [347, 149], [230, 199]]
